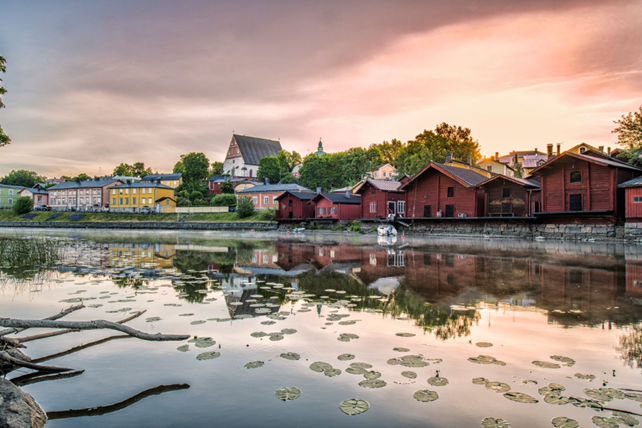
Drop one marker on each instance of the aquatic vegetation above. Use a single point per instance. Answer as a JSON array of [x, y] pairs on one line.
[[293, 356], [288, 393], [564, 422], [401, 349], [588, 377], [486, 359], [202, 342], [347, 337], [409, 374], [569, 362], [498, 386], [208, 356], [354, 406], [183, 348], [19, 253], [491, 422], [425, 396], [520, 397], [346, 357], [484, 344], [438, 381], [405, 334], [604, 394], [320, 366], [546, 365], [254, 364], [372, 383]]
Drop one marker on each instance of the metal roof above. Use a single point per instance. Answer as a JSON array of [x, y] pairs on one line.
[[146, 185], [11, 186], [339, 198], [254, 148], [173, 176], [596, 157], [82, 184], [304, 196], [277, 188], [384, 185], [636, 182]]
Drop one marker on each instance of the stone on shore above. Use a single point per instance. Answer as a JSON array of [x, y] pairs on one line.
[[18, 409]]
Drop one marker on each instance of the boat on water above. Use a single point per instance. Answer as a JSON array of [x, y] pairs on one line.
[[386, 230]]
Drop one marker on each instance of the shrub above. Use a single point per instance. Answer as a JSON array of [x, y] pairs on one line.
[[338, 227], [23, 205], [224, 200], [355, 226], [227, 187], [267, 215], [196, 195], [245, 207]]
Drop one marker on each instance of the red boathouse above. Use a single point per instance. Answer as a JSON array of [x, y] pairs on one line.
[[342, 207], [381, 198], [294, 205]]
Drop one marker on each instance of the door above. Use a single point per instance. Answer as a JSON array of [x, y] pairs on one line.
[[427, 211], [450, 211], [291, 214], [575, 202], [391, 208], [507, 209]]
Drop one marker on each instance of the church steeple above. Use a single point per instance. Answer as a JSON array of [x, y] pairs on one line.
[[320, 151]]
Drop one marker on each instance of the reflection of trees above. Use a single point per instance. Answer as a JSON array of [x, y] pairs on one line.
[[630, 348], [126, 281]]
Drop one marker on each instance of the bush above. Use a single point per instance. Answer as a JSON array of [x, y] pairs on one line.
[[196, 195], [183, 194], [227, 187], [245, 207], [267, 215], [338, 227], [224, 200], [355, 226], [23, 205]]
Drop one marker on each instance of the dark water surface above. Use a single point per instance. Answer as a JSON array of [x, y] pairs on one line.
[[530, 301]]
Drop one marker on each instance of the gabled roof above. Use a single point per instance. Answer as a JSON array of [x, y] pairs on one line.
[[465, 177], [146, 185], [162, 177], [594, 157], [507, 158], [383, 185], [304, 196], [254, 148], [531, 161], [276, 188], [11, 186], [338, 198], [636, 182], [521, 181], [165, 197], [83, 184], [36, 191]]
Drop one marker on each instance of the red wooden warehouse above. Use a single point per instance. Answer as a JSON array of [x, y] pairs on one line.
[[510, 196], [441, 190], [294, 205], [633, 199], [381, 198], [579, 186], [342, 207]]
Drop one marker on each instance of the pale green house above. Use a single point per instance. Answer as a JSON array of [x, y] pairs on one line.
[[8, 194]]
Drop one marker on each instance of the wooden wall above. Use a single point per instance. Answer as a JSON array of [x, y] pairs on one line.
[[345, 212], [370, 194], [298, 208], [518, 200]]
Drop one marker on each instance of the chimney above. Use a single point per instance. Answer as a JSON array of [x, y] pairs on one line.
[[348, 193], [559, 148], [549, 150], [449, 157], [601, 149], [609, 151], [496, 156], [535, 150]]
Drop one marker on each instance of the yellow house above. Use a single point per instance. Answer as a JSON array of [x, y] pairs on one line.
[[142, 256], [171, 180], [142, 197], [384, 172]]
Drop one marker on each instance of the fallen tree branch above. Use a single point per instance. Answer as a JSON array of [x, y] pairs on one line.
[[36, 377], [58, 333], [20, 363], [79, 348], [60, 314], [102, 410], [6, 342], [89, 325]]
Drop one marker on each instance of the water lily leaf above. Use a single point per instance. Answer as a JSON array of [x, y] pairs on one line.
[[347, 337], [486, 359], [153, 319], [556, 398], [438, 381], [372, 383], [372, 375], [203, 342], [287, 394], [401, 349], [269, 322], [604, 394], [409, 374], [425, 396], [258, 334], [498, 386], [585, 403], [564, 422], [520, 397], [320, 366], [185, 315], [208, 356], [633, 396], [484, 344], [490, 422], [356, 371], [605, 422], [354, 406], [361, 365], [349, 322], [332, 372], [198, 322], [275, 337], [547, 365], [254, 364], [346, 357], [480, 381], [183, 348], [569, 362], [288, 331], [293, 356], [626, 419], [405, 334]]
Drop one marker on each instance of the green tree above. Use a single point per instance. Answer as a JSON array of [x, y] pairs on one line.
[[81, 177], [389, 150], [23, 178], [269, 169], [629, 134], [123, 170], [287, 160], [194, 168], [217, 169], [462, 145], [4, 138], [245, 207], [315, 172], [226, 187], [138, 170], [224, 200], [288, 178], [23, 205]]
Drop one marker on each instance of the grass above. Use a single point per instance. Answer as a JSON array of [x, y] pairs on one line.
[[8, 215], [33, 252]]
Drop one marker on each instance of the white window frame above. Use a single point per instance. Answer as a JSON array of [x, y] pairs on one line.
[[373, 207], [401, 207]]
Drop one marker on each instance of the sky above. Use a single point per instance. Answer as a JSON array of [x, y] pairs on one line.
[[95, 83]]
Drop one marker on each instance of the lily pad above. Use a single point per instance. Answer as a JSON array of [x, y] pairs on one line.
[[520, 397], [564, 422], [287, 393], [569, 362], [372, 383], [633, 396], [254, 364], [346, 357], [480, 381], [349, 322], [626, 419], [208, 356], [547, 365], [484, 344], [604, 394], [556, 398], [405, 334], [198, 322], [293, 356], [153, 319], [288, 331], [354, 406], [347, 337], [356, 370], [203, 342], [490, 422], [275, 337], [332, 372], [498, 386], [409, 374], [425, 396], [486, 359], [320, 367], [258, 334], [372, 375], [268, 322], [605, 422], [401, 349], [183, 348], [361, 365], [438, 381]]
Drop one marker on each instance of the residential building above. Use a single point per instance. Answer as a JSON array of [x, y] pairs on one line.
[[265, 196], [244, 153], [381, 198], [214, 183], [137, 197], [384, 172], [37, 193], [8, 194], [633, 199], [530, 162], [510, 196], [494, 166], [342, 207], [90, 195], [441, 190], [294, 205], [172, 180]]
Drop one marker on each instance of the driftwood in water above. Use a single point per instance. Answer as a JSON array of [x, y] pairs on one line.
[[6, 342], [35, 377], [26, 364], [60, 332], [59, 315], [89, 325], [79, 348], [102, 410]]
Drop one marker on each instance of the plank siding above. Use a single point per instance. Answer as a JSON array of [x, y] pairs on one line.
[[495, 201], [431, 188], [633, 209], [293, 207], [370, 194], [345, 212]]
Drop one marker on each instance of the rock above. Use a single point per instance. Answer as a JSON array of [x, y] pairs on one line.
[[19, 409]]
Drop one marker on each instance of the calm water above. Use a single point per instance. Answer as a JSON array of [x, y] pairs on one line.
[[530, 301]]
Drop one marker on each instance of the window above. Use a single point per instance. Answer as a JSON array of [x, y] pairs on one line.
[[133, 191], [126, 201], [582, 149], [576, 176], [266, 200], [113, 191], [451, 192], [290, 203], [450, 211], [134, 201], [373, 207], [10, 201], [10, 192], [334, 210], [506, 192], [149, 191], [127, 191], [120, 201], [254, 200], [274, 200], [489, 168], [143, 190], [384, 173], [637, 199], [373, 259], [401, 207], [320, 211], [575, 202], [450, 260]]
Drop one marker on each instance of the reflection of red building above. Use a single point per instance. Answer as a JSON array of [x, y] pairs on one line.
[[634, 280], [578, 289]]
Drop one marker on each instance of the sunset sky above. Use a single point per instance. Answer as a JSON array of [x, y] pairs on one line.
[[95, 83]]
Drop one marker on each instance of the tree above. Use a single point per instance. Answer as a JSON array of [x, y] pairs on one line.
[[629, 134], [23, 178], [227, 187], [287, 160], [288, 178], [4, 138], [389, 150], [123, 170], [217, 168], [245, 207], [138, 170], [23, 205], [195, 169], [82, 177], [224, 200], [462, 146], [269, 169]]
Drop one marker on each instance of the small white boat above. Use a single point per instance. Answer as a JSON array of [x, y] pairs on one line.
[[299, 230], [386, 230]]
